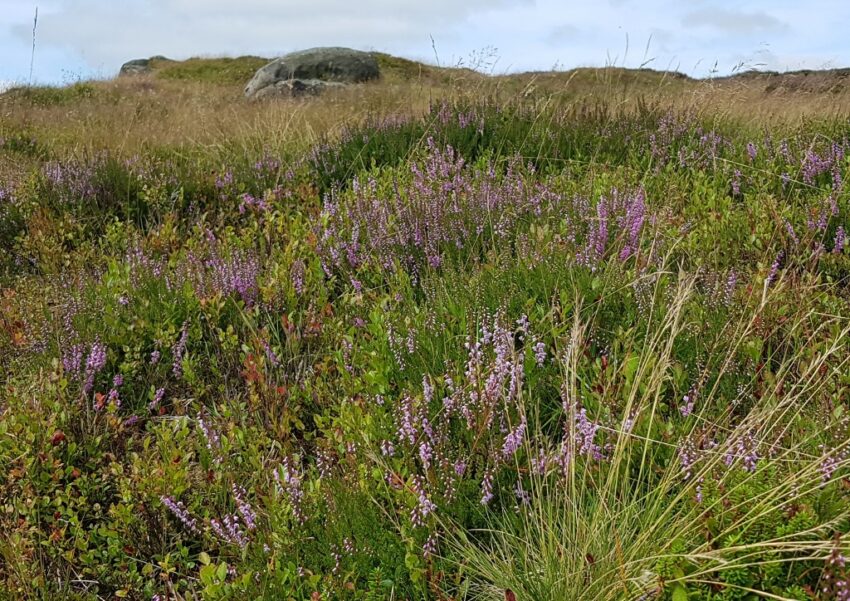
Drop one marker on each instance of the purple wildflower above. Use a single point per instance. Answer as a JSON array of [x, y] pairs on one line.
[[514, 439], [211, 436], [178, 350], [297, 275], [774, 268], [424, 506], [180, 512], [540, 353], [736, 183], [94, 363], [289, 482], [487, 488], [840, 240], [245, 510], [157, 398], [751, 151], [72, 359]]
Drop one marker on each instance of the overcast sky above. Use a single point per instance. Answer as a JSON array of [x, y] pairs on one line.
[[92, 38]]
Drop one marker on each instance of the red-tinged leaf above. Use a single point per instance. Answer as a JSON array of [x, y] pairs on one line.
[[509, 595], [58, 437]]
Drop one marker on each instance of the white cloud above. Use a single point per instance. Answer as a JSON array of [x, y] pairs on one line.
[[733, 21], [106, 32], [87, 37]]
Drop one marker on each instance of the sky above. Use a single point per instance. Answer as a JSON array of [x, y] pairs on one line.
[[84, 39]]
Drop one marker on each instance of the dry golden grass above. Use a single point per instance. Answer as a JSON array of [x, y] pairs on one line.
[[131, 114]]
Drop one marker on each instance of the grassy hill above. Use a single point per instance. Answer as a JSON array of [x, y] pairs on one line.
[[444, 336]]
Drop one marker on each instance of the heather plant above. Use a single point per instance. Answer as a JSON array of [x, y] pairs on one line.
[[566, 351], [744, 505]]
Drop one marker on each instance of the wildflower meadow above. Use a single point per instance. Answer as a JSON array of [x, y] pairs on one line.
[[500, 345]]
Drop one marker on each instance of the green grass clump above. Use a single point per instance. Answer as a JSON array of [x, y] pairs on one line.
[[221, 71], [49, 96]]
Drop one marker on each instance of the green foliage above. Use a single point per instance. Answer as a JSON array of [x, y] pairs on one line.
[[47, 96], [222, 71]]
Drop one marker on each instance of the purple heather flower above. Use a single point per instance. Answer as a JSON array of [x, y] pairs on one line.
[[487, 488], [729, 292], [522, 495], [97, 358], [112, 398], [687, 458], [688, 401], [586, 431], [430, 546], [424, 506], [736, 182], [72, 359], [155, 355], [745, 449], [289, 483], [248, 516], [830, 463], [425, 454], [407, 420], [157, 398], [790, 229], [751, 151], [840, 240], [228, 530], [514, 439], [180, 512], [297, 275], [540, 353], [270, 354], [225, 180], [94, 363], [774, 268], [178, 350], [210, 436]]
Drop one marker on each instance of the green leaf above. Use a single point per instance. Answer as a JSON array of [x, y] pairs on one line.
[[204, 558], [630, 367], [207, 575], [680, 593], [221, 572]]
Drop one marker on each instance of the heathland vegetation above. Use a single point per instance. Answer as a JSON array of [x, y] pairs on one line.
[[445, 336]]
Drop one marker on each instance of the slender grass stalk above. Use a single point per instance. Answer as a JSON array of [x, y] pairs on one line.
[[32, 56]]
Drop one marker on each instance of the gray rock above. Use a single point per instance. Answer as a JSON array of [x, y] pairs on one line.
[[139, 66], [136, 67], [296, 88], [314, 69]]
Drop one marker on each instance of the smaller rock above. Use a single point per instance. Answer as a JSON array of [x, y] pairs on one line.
[[140, 66], [136, 67]]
